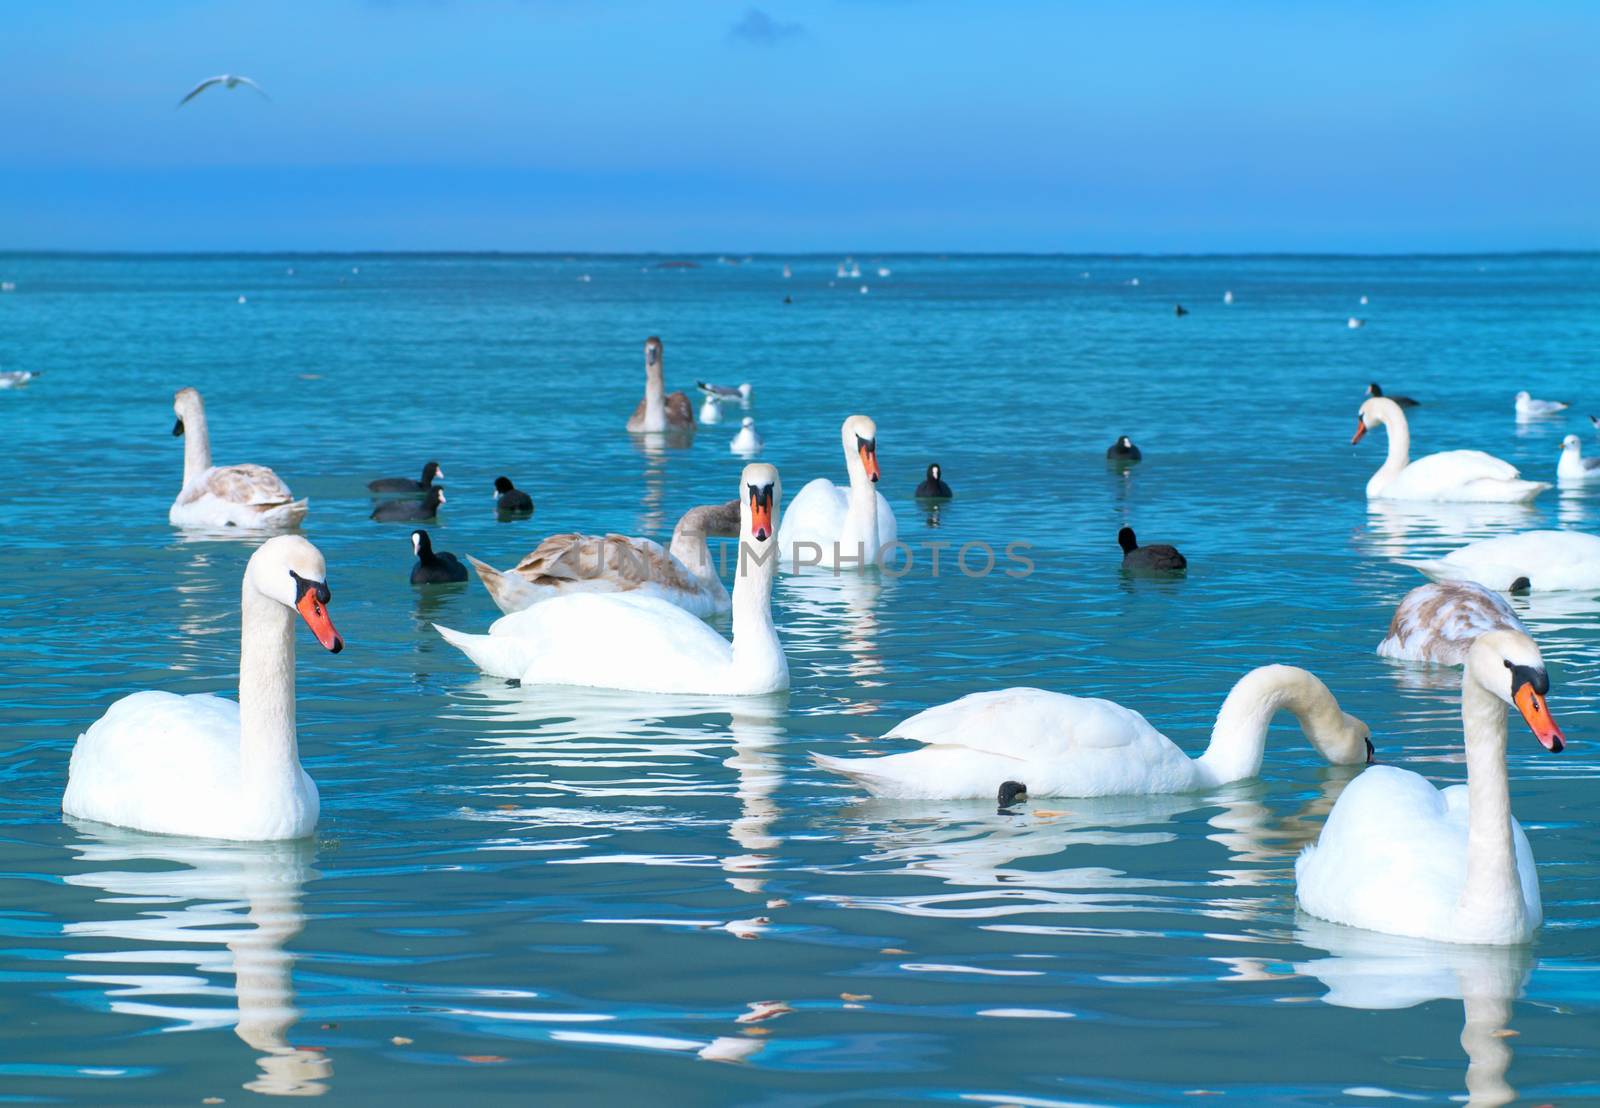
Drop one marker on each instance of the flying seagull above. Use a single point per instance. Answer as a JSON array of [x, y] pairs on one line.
[[226, 80]]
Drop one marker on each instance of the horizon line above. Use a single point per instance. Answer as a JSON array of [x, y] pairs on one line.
[[740, 255]]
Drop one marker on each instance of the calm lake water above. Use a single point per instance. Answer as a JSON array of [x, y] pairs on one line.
[[564, 894]]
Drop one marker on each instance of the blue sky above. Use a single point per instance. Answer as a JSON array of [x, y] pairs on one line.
[[827, 125]]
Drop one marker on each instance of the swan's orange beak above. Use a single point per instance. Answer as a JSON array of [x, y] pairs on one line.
[[1361, 429], [761, 512], [869, 456], [1536, 710], [315, 613]]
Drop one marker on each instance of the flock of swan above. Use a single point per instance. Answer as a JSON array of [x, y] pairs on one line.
[[1397, 855]]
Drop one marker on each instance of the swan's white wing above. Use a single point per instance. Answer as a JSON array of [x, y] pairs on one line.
[[815, 514], [1456, 467], [1056, 745], [137, 758], [617, 640], [1393, 855], [1550, 560], [201, 87]]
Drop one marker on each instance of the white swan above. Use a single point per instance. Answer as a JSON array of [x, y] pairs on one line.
[[208, 767], [1529, 408], [1059, 745], [1574, 468], [628, 641], [747, 441], [847, 526], [659, 411], [247, 496], [1402, 857], [1453, 475], [561, 565], [1440, 622], [1550, 560]]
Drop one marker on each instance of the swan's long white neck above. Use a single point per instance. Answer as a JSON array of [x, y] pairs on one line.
[[1399, 432], [269, 754], [655, 395], [860, 533], [1239, 737], [196, 445], [756, 647], [1492, 890]]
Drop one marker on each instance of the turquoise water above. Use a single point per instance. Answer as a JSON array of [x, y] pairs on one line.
[[519, 892]]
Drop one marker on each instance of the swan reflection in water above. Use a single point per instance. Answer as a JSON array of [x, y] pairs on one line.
[[966, 843], [1413, 529], [1367, 970], [823, 612], [604, 744], [221, 907]]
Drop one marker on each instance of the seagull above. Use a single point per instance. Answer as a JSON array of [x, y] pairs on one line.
[[226, 80]]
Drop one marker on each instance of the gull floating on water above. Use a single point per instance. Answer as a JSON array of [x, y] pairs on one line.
[[13, 378], [1354, 323], [1529, 407], [226, 80]]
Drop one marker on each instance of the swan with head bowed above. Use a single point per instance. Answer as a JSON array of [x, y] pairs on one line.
[[205, 766], [659, 410], [1074, 746], [844, 526], [625, 640], [1540, 561], [1454, 475], [246, 496], [685, 574], [1400, 856]]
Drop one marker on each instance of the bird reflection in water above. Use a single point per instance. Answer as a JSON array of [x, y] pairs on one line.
[[223, 908]]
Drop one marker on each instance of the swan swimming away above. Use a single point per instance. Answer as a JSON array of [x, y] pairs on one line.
[[1529, 408], [850, 526], [1551, 561], [1400, 856], [643, 643], [746, 442], [204, 766], [685, 575], [246, 496], [1439, 622], [1573, 467], [1454, 475], [659, 410], [1072, 746]]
